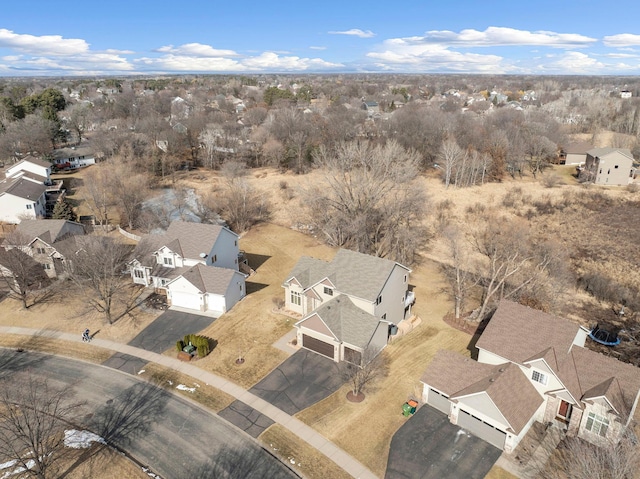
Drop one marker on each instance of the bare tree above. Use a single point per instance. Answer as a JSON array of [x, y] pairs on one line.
[[450, 156], [96, 267], [457, 270], [578, 459], [364, 368], [33, 418], [240, 204], [128, 191], [369, 200], [24, 278], [514, 264], [96, 194]]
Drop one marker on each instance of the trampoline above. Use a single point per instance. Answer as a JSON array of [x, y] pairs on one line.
[[602, 336]]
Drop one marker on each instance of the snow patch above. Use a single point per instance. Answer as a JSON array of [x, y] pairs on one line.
[[182, 387], [18, 470], [81, 439], [149, 473], [141, 371]]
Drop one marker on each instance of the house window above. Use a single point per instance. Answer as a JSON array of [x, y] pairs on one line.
[[40, 251], [384, 316], [240, 287], [235, 243], [138, 273], [215, 258], [405, 278], [597, 424], [47, 266], [615, 167], [296, 298], [539, 377], [379, 300], [168, 261], [328, 291], [29, 207]]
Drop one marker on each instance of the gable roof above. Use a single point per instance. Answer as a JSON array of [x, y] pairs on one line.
[[346, 321], [23, 188], [210, 279], [356, 274], [451, 372], [578, 148], [32, 160], [519, 333], [187, 239], [48, 231], [602, 152]]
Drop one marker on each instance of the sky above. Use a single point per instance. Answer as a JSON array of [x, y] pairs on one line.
[[70, 38]]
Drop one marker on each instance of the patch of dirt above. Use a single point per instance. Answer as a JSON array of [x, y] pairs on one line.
[[351, 397]]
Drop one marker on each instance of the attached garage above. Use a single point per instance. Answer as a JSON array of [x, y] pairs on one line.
[[438, 401], [185, 300], [318, 346], [482, 429]]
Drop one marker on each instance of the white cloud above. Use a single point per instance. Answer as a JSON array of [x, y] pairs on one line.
[[196, 49], [317, 48], [42, 45], [355, 32], [184, 63], [407, 54], [622, 40], [577, 63], [270, 61], [502, 36]]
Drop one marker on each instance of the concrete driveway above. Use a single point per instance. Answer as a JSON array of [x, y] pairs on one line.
[[159, 336], [428, 446], [299, 382]]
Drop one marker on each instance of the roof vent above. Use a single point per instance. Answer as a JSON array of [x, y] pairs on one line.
[[501, 370], [203, 255], [492, 380]]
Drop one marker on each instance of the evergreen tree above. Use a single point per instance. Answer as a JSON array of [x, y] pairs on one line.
[[63, 211]]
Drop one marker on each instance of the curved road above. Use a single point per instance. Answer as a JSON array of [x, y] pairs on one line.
[[305, 433], [174, 436]]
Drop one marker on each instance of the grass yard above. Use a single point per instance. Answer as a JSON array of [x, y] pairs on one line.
[[100, 462], [308, 461], [499, 473], [251, 327]]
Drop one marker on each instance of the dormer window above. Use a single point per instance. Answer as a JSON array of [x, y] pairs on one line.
[[539, 377], [168, 261], [328, 291]]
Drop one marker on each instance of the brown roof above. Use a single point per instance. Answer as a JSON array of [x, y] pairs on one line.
[[511, 392], [210, 279], [451, 372], [578, 148], [48, 231], [518, 333], [23, 188]]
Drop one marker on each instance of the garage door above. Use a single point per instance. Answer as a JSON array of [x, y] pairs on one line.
[[438, 401], [479, 428], [184, 300], [318, 346]]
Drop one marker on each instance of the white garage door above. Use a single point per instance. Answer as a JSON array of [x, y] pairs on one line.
[[438, 401], [185, 300], [479, 428]]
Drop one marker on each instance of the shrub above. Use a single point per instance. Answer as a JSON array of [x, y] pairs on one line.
[[201, 343], [633, 187], [179, 345], [551, 180]]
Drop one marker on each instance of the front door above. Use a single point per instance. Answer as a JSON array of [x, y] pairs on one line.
[[564, 411]]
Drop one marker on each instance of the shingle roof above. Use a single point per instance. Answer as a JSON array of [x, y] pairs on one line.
[[518, 333], [34, 160], [186, 238], [578, 147], [210, 279], [356, 274], [347, 322], [23, 188], [600, 152], [48, 231], [507, 386]]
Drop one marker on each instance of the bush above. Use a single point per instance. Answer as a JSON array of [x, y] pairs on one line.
[[179, 345], [201, 343], [551, 180]]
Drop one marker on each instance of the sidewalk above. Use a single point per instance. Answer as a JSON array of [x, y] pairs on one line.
[[295, 426]]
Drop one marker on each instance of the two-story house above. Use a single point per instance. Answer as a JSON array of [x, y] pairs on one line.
[[533, 366], [349, 304], [608, 166], [40, 239], [195, 264], [28, 192]]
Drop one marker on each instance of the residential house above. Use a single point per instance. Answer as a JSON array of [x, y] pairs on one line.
[[349, 304], [533, 366], [608, 166], [73, 158], [371, 107], [575, 153], [40, 240], [172, 263], [625, 94], [28, 191]]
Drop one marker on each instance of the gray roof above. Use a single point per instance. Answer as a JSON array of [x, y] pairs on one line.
[[64, 153], [48, 231], [23, 188], [356, 274], [35, 161], [347, 322], [600, 152], [187, 239], [210, 279]]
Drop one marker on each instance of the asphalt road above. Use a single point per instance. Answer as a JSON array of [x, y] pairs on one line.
[[174, 437]]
